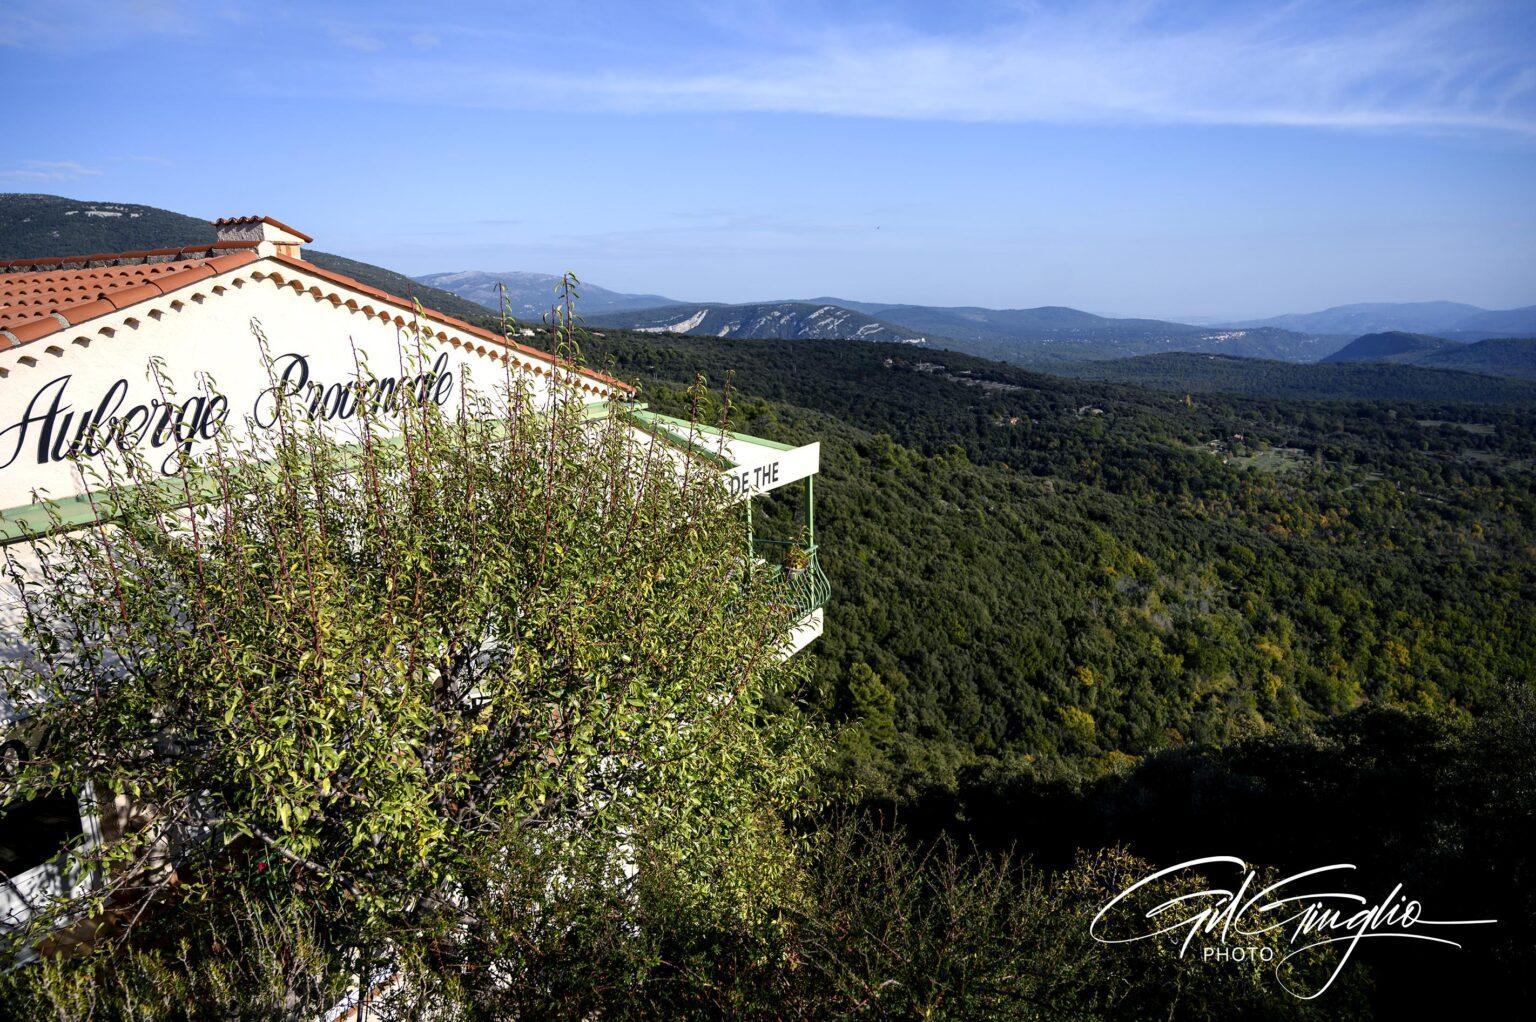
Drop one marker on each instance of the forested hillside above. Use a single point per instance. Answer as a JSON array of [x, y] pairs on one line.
[[1035, 575], [37, 226], [1046, 337], [1066, 350], [1055, 334], [1389, 346], [1457, 378], [974, 323], [1069, 615], [1505, 356]]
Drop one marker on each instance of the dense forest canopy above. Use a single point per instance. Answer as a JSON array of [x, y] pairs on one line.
[[1488, 372], [1071, 615], [1062, 576]]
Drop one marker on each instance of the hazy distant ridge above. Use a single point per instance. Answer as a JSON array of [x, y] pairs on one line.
[[1390, 346], [1439, 318], [974, 323], [1506, 356], [782, 320], [531, 295]]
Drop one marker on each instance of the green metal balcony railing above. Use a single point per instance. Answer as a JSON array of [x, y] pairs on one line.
[[800, 569]]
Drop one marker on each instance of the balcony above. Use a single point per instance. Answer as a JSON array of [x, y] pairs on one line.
[[754, 467], [799, 568]]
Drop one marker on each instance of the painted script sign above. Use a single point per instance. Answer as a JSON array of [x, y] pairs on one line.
[[63, 420]]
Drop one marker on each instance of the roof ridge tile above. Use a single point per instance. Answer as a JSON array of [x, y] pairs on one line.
[[130, 258]]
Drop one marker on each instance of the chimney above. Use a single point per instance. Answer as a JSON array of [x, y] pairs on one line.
[[271, 237]]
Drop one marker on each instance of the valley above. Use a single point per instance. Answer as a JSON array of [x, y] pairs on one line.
[[1153, 598]]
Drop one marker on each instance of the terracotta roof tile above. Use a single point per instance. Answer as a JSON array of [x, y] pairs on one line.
[[225, 263], [124, 297], [181, 278], [83, 287], [40, 327], [77, 314]]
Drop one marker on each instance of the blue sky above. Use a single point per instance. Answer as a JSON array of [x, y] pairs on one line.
[[1159, 159]]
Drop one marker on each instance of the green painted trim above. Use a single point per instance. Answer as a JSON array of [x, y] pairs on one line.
[[45, 518], [643, 421], [30, 520], [598, 409], [743, 437], [810, 509]]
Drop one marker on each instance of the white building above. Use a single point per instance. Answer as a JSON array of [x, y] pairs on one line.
[[78, 335]]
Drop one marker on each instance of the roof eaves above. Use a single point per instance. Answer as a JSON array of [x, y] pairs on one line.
[[120, 258], [38, 328]]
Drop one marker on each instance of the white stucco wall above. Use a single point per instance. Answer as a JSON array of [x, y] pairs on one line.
[[206, 329]]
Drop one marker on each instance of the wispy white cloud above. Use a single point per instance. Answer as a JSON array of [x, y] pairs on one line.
[[357, 41], [43, 171], [1421, 66], [76, 26], [152, 161]]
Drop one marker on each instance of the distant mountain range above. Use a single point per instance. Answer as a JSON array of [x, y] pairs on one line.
[[1423, 335], [1038, 337], [1034, 337], [531, 295], [1053, 322], [1446, 319], [1053, 333], [781, 320], [995, 332], [1041, 337]]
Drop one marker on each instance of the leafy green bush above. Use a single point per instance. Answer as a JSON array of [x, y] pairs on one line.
[[417, 671]]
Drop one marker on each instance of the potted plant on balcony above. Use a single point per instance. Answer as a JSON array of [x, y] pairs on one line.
[[796, 558]]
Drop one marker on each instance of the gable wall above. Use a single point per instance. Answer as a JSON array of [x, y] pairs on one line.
[[206, 329]]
